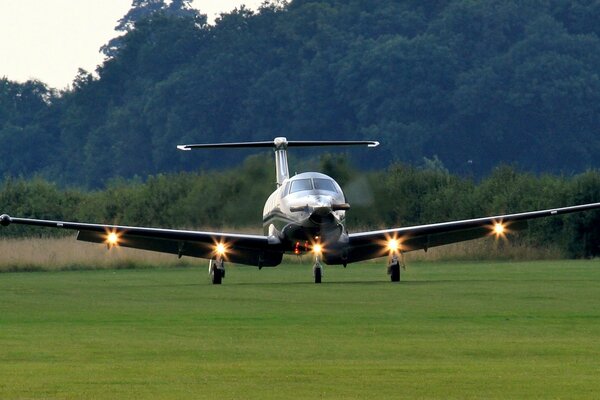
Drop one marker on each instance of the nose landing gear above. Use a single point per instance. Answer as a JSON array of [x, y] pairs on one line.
[[318, 269]]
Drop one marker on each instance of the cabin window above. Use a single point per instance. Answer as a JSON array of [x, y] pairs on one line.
[[300, 184], [324, 184]]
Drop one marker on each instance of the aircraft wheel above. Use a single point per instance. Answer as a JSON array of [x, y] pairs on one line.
[[395, 272], [216, 276], [318, 273]]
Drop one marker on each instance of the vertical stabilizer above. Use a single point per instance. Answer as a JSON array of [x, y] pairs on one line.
[[281, 162]]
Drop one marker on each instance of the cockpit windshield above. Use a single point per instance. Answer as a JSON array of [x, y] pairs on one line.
[[299, 185], [324, 184]]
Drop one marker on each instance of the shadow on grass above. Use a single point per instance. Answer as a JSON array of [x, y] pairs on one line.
[[258, 284], [309, 283], [388, 283]]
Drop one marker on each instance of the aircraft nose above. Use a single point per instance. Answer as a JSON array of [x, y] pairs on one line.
[[321, 205], [315, 205]]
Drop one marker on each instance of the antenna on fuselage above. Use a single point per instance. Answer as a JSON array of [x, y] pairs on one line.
[[280, 145]]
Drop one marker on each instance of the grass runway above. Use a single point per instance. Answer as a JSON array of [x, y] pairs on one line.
[[448, 331]]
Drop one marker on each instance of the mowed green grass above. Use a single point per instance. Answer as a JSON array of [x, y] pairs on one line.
[[448, 331]]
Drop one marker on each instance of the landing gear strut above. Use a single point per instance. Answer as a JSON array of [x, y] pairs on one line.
[[393, 268], [318, 269], [216, 270]]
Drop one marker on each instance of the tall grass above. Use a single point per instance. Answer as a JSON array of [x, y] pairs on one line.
[[55, 254], [488, 249]]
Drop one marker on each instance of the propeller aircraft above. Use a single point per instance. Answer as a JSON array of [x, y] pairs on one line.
[[305, 214]]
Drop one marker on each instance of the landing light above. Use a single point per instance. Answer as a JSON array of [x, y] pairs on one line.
[[112, 239], [393, 245], [317, 248], [220, 249], [499, 229]]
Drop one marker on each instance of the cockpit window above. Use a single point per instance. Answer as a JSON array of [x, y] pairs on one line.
[[285, 189], [324, 184], [300, 184]]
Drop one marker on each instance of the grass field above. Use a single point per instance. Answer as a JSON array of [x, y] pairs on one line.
[[448, 331]]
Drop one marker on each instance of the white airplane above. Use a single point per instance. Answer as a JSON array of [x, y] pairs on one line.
[[305, 214]]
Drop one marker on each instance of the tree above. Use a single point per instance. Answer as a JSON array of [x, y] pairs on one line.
[[473, 83], [147, 9]]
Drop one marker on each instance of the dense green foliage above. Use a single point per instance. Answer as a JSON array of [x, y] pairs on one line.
[[474, 83], [398, 196], [449, 331]]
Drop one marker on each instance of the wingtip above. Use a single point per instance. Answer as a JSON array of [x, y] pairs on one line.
[[183, 147], [5, 220], [374, 143]]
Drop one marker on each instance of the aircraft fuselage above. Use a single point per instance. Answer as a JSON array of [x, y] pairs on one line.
[[305, 210]]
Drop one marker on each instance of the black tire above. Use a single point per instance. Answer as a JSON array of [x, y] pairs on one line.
[[216, 276], [318, 275], [395, 272]]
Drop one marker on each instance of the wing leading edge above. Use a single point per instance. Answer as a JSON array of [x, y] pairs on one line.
[[241, 248], [367, 245]]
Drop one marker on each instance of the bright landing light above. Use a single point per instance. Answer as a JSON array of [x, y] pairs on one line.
[[317, 248], [220, 249], [393, 245], [499, 229], [112, 239]]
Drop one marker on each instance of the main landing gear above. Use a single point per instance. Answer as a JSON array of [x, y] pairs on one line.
[[394, 266], [216, 270]]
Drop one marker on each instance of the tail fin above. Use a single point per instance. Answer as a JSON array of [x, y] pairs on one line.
[[280, 145]]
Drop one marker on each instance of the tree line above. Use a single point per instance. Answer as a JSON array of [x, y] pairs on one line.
[[400, 195], [474, 84]]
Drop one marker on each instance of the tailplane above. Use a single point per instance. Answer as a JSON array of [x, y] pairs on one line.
[[280, 146]]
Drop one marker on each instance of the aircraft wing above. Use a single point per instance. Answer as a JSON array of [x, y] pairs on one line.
[[373, 244], [240, 248]]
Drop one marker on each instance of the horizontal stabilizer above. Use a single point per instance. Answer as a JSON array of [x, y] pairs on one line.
[[281, 143]]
